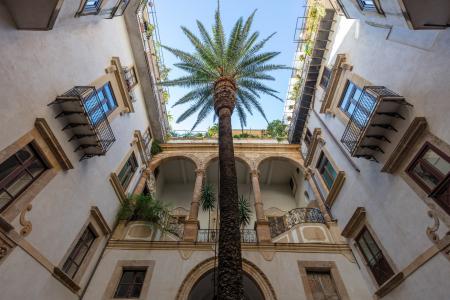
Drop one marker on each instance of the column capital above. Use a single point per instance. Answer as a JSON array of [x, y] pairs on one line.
[[254, 173], [200, 172]]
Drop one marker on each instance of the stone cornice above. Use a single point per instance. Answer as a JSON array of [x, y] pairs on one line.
[[278, 247], [212, 147]]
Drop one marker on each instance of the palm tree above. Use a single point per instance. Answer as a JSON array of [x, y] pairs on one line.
[[225, 74], [208, 200], [245, 211]]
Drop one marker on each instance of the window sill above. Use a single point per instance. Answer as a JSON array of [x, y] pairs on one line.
[[66, 280], [391, 284]]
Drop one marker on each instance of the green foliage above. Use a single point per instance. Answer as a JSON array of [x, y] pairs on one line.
[[208, 198], [245, 211], [156, 148], [216, 56], [165, 96], [149, 29], [245, 135], [277, 130], [143, 208], [213, 131]]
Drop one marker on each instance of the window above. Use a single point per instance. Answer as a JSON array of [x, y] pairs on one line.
[[130, 284], [130, 77], [322, 285], [368, 5], [326, 170], [350, 98], [91, 7], [326, 74], [430, 169], [308, 138], [17, 173], [374, 257], [147, 138], [107, 103], [76, 257], [128, 171]]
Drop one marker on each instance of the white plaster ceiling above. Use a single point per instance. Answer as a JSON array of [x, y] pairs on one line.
[[178, 170]]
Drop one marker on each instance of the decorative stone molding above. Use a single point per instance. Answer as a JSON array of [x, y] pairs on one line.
[[356, 220], [44, 130], [27, 226], [267, 254], [336, 188], [5, 226], [98, 217], [409, 138], [118, 72], [6, 246], [185, 254], [202, 268], [313, 146], [443, 242], [338, 67], [274, 211], [139, 141]]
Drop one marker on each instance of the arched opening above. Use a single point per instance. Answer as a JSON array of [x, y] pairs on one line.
[[174, 185], [204, 287], [244, 189]]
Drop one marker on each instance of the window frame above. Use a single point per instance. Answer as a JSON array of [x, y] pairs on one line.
[[134, 167], [311, 271], [418, 158], [84, 11], [320, 166], [23, 167], [114, 99], [130, 70], [326, 77], [350, 100], [360, 233], [76, 248], [130, 286]]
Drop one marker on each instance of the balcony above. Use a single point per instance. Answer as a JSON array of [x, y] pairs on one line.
[[212, 236], [295, 217], [373, 121], [314, 33], [84, 116]]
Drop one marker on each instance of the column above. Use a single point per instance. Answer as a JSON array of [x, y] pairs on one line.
[[192, 225], [322, 206], [261, 225]]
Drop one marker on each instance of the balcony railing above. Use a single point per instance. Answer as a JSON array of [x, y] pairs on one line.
[[294, 217], [81, 109], [212, 235], [372, 120]]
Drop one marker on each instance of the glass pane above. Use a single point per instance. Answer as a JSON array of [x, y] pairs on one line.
[[365, 249], [357, 94], [36, 168], [81, 254], [330, 170], [328, 180], [4, 199], [140, 275], [70, 269], [127, 277], [121, 291], [351, 108], [8, 166], [25, 153], [346, 97], [136, 291], [19, 184], [429, 179], [437, 161]]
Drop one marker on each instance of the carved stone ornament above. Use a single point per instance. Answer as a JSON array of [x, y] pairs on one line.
[[27, 226], [432, 230]]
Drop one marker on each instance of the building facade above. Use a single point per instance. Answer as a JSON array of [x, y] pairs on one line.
[[354, 206]]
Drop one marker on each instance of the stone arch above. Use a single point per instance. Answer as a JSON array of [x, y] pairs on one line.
[[159, 159], [292, 160], [202, 268], [209, 159]]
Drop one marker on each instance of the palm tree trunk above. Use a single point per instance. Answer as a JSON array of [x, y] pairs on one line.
[[230, 261]]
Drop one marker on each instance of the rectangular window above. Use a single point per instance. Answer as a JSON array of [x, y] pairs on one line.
[[367, 5], [105, 105], [374, 257], [17, 173], [308, 138], [326, 74], [130, 284], [430, 169], [322, 285], [326, 170], [130, 77], [78, 254], [128, 171], [91, 7], [350, 98]]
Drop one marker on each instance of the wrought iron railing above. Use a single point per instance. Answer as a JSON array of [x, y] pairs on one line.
[[85, 116], [176, 229], [363, 113], [304, 215], [212, 235]]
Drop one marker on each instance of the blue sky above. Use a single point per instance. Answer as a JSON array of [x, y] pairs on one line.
[[272, 16]]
